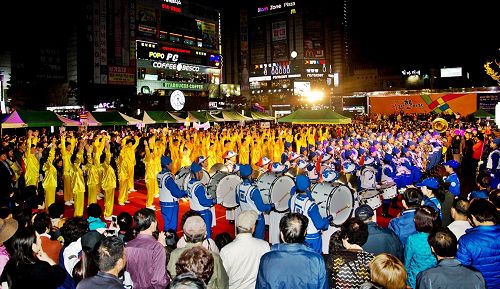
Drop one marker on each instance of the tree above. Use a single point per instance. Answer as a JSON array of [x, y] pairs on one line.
[[493, 70]]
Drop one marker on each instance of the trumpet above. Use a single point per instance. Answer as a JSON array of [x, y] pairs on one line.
[[440, 125]]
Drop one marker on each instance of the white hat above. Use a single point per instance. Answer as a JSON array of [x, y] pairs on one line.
[[278, 168], [229, 154], [330, 175], [236, 168], [265, 161], [349, 167], [201, 159], [326, 157], [301, 164], [294, 156], [369, 160]]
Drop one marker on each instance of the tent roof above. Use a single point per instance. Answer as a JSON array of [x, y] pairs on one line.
[[113, 118], [323, 116], [26, 118], [261, 116], [483, 114], [203, 116], [231, 115], [160, 117]]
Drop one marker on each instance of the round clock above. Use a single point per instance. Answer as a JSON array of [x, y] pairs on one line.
[[177, 100]]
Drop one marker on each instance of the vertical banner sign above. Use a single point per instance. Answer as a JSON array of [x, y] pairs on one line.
[[118, 31], [126, 35], [279, 31], [245, 87], [103, 46], [132, 32], [95, 40]]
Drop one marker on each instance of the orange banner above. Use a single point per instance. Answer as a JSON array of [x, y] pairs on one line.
[[461, 103]]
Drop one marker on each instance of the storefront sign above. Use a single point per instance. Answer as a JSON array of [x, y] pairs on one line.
[[278, 30], [183, 85], [121, 75], [175, 66], [274, 7], [172, 5]]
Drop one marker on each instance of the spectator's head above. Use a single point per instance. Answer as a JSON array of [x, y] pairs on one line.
[[90, 239], [188, 214], [42, 223], [94, 210], [195, 230], [110, 255], [222, 239], [24, 246], [246, 221], [354, 232], [443, 243], [124, 221], [483, 181], [293, 228], [73, 229], [145, 221], [388, 272], [364, 213], [412, 198], [56, 210], [8, 228], [187, 281], [494, 197], [426, 219], [23, 217], [459, 209], [197, 260], [482, 213]]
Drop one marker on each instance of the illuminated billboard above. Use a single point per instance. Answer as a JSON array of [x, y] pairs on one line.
[[451, 72], [301, 88]]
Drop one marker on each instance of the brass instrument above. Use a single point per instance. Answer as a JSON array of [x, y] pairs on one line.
[[440, 125]]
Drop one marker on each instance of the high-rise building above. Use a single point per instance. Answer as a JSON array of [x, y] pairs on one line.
[[296, 49]]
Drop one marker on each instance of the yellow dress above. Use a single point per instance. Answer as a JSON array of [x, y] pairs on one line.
[[244, 153], [129, 153], [151, 173], [108, 185], [49, 183], [32, 164], [67, 167], [78, 184], [123, 164], [93, 183]]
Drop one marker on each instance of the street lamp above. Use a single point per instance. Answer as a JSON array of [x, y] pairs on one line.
[[293, 54]]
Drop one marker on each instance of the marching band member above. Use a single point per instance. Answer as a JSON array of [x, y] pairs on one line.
[[452, 178], [302, 204], [263, 165], [198, 200], [285, 156], [169, 195], [249, 197], [230, 160], [314, 167], [493, 163], [429, 188], [368, 175], [388, 173]]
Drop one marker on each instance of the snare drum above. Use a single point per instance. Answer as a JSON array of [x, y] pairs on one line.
[[389, 190], [275, 189], [371, 198], [222, 186], [184, 175], [334, 199]]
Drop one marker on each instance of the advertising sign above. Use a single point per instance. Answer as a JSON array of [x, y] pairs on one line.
[[461, 103], [488, 101], [121, 75], [301, 88], [278, 31], [451, 72], [280, 51], [208, 32], [183, 85]]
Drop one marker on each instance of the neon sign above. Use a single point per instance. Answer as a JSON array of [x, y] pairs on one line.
[[272, 7]]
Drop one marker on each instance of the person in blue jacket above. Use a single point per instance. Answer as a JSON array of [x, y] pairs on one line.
[[452, 179], [404, 226], [302, 204], [479, 247], [249, 198], [170, 194], [198, 200], [429, 188]]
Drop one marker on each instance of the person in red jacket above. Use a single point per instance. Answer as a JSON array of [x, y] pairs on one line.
[[477, 151]]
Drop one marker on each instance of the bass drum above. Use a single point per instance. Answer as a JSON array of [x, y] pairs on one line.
[[336, 200], [222, 186], [276, 189], [183, 177]]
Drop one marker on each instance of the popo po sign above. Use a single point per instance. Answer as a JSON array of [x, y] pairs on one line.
[[163, 56]]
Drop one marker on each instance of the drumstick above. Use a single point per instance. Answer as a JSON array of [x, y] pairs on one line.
[[347, 206], [281, 199]]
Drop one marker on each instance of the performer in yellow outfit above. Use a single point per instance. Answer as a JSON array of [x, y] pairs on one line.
[[186, 155], [108, 184], [212, 155], [129, 146], [255, 153], [67, 152], [123, 164], [244, 151], [92, 170], [97, 153], [78, 183], [49, 183], [151, 172], [31, 162]]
